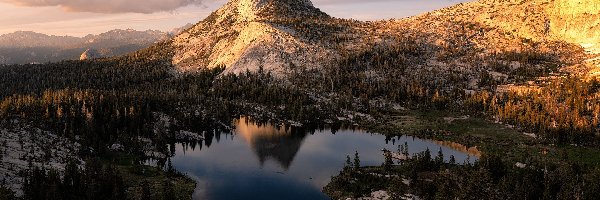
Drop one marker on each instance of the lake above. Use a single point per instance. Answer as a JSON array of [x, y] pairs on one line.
[[269, 162]]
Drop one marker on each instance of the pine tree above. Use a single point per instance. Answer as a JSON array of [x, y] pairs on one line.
[[439, 159], [452, 160], [356, 161], [388, 163], [348, 164]]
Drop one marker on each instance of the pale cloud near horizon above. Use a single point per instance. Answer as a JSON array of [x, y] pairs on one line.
[[109, 6], [145, 6], [144, 15]]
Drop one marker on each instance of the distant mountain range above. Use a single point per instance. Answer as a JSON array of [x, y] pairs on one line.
[[24, 47]]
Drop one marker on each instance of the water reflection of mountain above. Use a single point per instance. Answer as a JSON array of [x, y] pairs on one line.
[[270, 142]]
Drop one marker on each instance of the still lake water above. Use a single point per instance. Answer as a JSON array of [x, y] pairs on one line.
[[266, 162]]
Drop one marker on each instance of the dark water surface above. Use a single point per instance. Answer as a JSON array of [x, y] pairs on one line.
[[265, 162]]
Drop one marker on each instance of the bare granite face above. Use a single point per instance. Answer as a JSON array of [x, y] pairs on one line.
[[24, 145], [574, 21], [90, 54], [250, 34]]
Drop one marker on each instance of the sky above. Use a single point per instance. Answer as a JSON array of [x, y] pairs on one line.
[[82, 17]]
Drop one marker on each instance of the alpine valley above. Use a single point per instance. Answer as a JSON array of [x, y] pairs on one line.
[[262, 99]]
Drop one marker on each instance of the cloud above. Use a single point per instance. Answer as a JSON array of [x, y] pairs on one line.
[[110, 6], [153, 6]]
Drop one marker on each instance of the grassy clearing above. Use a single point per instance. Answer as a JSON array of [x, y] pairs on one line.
[[487, 136], [154, 181], [148, 182], [496, 177]]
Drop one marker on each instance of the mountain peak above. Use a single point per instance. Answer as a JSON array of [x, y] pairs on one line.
[[249, 34], [250, 10]]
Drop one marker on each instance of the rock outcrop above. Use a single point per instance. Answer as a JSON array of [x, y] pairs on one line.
[[574, 21], [90, 54]]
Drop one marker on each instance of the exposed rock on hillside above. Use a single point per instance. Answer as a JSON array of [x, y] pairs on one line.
[[574, 21], [249, 34], [24, 145], [90, 54], [284, 35]]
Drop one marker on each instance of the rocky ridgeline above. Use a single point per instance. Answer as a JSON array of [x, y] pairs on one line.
[[501, 38], [283, 35], [25, 47]]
